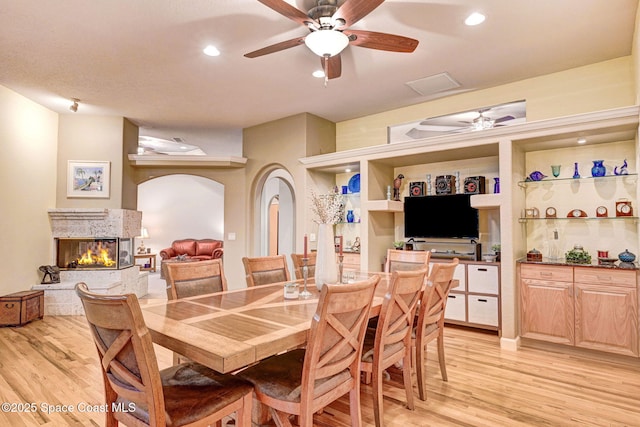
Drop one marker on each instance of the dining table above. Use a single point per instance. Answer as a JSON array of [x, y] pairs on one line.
[[232, 329]]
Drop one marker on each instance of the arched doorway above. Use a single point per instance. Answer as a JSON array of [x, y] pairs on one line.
[[277, 217]]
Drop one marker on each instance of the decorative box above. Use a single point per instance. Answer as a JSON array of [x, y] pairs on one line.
[[534, 255], [446, 184], [417, 189], [22, 307], [474, 185]]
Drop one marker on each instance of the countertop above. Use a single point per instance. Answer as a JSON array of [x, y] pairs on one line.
[[561, 262]]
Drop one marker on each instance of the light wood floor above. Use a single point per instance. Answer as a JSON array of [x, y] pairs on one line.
[[53, 362]]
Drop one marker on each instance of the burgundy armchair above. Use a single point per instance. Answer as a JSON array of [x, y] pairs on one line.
[[202, 249]]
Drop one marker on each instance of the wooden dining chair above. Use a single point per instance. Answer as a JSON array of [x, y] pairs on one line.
[[406, 260], [298, 264], [190, 279], [303, 381], [266, 270], [390, 342], [430, 321], [187, 394]]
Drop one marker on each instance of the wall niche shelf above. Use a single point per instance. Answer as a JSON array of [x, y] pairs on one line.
[[385, 206], [486, 201]]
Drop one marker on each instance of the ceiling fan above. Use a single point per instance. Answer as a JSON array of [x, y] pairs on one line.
[[329, 34]]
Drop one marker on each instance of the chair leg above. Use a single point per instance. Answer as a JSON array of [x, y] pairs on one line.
[[378, 398], [421, 369], [406, 376], [443, 365], [282, 419], [354, 406], [243, 415]]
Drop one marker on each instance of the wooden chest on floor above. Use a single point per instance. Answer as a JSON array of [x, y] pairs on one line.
[[20, 308]]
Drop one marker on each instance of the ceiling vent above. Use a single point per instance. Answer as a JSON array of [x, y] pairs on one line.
[[433, 84]]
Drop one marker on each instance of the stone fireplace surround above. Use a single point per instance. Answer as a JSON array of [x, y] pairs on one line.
[[60, 298]]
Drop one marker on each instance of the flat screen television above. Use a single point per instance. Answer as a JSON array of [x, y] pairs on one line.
[[444, 216]]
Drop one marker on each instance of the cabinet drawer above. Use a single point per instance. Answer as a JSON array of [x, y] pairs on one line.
[[460, 274], [482, 279], [483, 310], [605, 276], [456, 307], [546, 272]]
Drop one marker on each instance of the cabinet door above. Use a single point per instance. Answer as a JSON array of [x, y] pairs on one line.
[[460, 274], [546, 310], [607, 318], [456, 307]]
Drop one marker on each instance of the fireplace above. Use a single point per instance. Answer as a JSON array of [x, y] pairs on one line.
[[94, 253], [95, 246]]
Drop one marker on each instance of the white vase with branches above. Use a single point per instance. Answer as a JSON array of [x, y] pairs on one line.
[[327, 209]]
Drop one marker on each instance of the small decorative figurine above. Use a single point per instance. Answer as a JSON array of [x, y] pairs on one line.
[[622, 170], [50, 271], [536, 176], [396, 187]]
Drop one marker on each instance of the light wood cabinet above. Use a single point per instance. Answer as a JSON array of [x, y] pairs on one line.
[[606, 310], [588, 307]]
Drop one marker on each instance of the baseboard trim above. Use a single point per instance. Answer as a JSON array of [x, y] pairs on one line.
[[511, 344]]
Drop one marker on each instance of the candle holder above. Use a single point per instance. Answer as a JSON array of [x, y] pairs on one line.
[[305, 275], [340, 266]]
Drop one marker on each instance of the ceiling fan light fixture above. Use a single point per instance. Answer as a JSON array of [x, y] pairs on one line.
[[481, 123], [326, 42]]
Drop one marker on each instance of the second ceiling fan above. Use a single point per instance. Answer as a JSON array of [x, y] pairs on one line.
[[329, 34]]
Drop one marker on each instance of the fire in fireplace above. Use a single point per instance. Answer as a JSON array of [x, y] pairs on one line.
[[94, 253]]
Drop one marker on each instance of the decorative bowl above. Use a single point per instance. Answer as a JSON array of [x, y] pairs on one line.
[[489, 257], [626, 256]]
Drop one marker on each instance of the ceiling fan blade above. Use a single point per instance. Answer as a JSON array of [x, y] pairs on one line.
[[276, 47], [333, 66], [504, 119], [382, 41], [285, 9], [354, 10]]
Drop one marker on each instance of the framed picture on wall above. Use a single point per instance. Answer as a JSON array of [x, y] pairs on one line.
[[88, 179]]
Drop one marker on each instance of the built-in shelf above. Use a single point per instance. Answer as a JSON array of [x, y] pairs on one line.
[[606, 218], [147, 160], [486, 201], [630, 176], [385, 206]]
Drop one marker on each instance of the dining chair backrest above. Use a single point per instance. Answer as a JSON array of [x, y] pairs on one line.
[[398, 260], [129, 366], [392, 341], [334, 343], [298, 264], [188, 279], [187, 394], [430, 321], [266, 270]]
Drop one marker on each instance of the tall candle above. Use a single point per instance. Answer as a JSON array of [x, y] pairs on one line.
[[340, 245], [305, 246]]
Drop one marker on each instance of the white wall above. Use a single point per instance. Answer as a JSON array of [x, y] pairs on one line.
[[29, 141], [181, 206]]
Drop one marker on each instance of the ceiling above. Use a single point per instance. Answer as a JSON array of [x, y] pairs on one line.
[[143, 59]]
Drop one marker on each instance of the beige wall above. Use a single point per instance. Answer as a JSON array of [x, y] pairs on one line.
[[95, 138], [594, 87], [29, 135], [279, 144]]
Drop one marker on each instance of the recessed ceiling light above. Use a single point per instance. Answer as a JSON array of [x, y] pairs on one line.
[[318, 73], [347, 170], [582, 140], [474, 19], [211, 51]]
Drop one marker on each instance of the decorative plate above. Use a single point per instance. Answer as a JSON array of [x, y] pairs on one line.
[[354, 183]]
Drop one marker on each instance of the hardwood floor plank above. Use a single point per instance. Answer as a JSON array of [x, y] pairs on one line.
[[53, 362]]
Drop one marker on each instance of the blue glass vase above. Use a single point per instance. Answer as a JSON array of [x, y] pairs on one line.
[[598, 168], [350, 216]]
